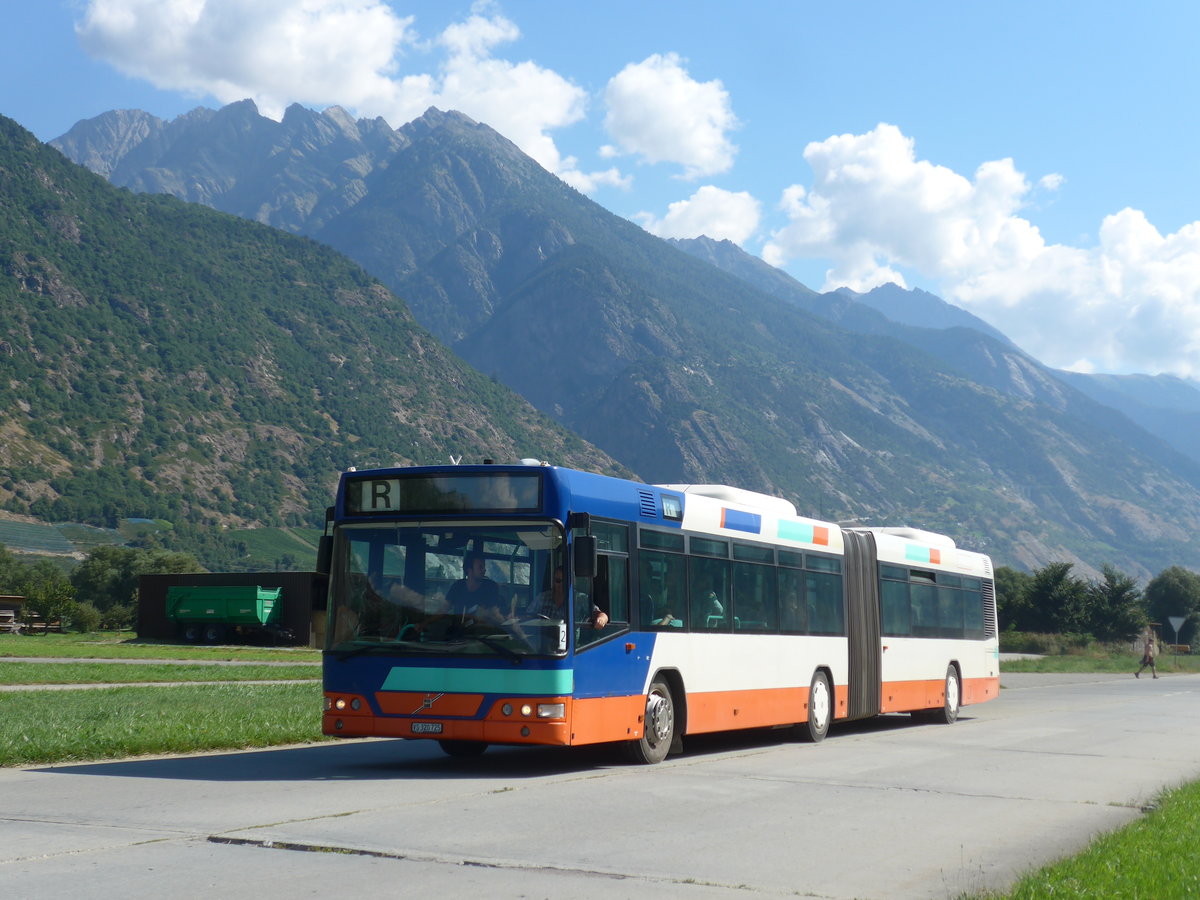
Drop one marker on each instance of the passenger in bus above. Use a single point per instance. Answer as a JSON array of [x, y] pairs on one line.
[[707, 609], [475, 596], [551, 603], [662, 617]]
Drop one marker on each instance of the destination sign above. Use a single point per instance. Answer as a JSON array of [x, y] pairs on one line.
[[481, 492]]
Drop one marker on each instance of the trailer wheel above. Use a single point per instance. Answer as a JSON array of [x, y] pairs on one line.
[[192, 633], [213, 633]]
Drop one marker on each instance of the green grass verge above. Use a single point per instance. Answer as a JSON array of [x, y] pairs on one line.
[[38, 727], [123, 645], [1101, 661], [1152, 858], [118, 673]]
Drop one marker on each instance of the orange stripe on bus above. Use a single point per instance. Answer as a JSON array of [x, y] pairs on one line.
[[601, 719]]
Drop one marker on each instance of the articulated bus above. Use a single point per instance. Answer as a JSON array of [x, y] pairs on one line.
[[532, 604]]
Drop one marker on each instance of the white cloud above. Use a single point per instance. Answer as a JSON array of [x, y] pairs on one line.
[[349, 53], [656, 110], [1132, 303], [711, 211], [272, 51]]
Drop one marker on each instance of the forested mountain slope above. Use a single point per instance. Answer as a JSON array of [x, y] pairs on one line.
[[162, 359]]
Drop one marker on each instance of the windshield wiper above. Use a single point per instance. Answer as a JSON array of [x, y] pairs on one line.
[[385, 645], [497, 646]]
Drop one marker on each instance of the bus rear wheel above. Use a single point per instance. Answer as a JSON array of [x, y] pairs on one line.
[[658, 728], [462, 748], [820, 709], [953, 701]]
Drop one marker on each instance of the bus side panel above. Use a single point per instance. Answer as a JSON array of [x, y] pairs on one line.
[[749, 681], [914, 672], [602, 719]]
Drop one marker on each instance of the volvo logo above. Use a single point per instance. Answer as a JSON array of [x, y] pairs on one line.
[[428, 702]]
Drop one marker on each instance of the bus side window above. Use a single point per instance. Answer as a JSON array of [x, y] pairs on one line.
[[612, 587], [663, 580]]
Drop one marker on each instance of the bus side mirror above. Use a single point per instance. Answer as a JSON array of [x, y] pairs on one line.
[[325, 546], [585, 556]]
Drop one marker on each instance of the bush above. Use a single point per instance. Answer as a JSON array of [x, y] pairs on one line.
[[85, 618], [1044, 644], [118, 617]]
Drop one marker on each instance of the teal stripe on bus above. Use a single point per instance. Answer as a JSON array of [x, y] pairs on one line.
[[915, 553], [481, 681]]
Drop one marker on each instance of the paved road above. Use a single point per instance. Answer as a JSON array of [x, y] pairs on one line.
[[882, 809]]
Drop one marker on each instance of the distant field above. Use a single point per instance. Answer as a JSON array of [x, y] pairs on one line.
[[125, 645], [259, 548], [29, 537], [264, 546]]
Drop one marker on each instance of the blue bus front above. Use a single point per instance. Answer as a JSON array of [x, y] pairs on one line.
[[454, 610]]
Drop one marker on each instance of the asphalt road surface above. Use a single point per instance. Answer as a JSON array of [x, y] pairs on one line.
[[888, 808]]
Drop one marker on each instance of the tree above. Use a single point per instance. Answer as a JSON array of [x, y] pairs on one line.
[[1012, 600], [48, 592], [1174, 592], [108, 577], [1116, 606], [1060, 600]]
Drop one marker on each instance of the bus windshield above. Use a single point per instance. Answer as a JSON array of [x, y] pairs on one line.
[[479, 589]]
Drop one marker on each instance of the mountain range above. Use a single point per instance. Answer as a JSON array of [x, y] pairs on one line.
[[692, 361]]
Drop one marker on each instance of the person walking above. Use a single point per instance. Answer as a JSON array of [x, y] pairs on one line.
[[1148, 653]]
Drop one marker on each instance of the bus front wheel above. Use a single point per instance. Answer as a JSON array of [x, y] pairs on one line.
[[658, 728], [820, 709]]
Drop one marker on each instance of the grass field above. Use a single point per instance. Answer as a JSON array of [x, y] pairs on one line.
[[124, 645], [1101, 661], [1152, 859], [32, 673], [39, 727]]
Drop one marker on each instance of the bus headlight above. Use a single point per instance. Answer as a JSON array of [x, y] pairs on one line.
[[527, 710], [356, 704], [551, 710]]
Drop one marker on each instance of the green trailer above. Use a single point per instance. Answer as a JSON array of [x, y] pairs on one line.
[[212, 613]]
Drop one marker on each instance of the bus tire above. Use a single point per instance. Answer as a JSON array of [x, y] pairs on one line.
[[658, 728], [462, 749], [820, 709], [953, 698]]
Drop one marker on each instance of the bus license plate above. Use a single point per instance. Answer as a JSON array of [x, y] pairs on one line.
[[427, 727]]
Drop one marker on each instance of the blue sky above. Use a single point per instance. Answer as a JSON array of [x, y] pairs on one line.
[[1035, 163]]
